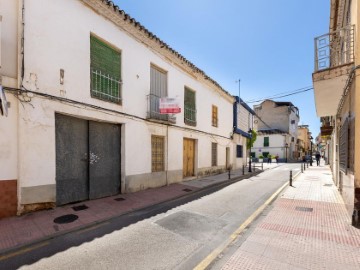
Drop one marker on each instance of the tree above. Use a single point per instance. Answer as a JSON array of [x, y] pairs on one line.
[[250, 142]]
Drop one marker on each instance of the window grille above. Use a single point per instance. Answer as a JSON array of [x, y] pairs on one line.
[[351, 145], [266, 141], [157, 154], [239, 151], [213, 154], [105, 71], [189, 107], [214, 116], [344, 146]]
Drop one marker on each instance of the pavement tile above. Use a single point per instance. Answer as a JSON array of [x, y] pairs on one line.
[[307, 228]]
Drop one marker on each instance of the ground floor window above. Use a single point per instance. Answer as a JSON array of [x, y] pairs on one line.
[[239, 151], [157, 153], [213, 154]]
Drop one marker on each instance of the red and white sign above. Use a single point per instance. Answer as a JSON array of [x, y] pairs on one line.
[[169, 106]]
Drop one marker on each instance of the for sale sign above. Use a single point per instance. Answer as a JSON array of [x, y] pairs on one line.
[[169, 106]]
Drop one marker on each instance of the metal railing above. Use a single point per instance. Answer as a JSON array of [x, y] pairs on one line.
[[190, 116], [334, 49], [153, 111], [105, 87]]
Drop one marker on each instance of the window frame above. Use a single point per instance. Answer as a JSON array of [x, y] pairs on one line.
[[214, 154], [214, 116], [266, 141], [187, 121], [155, 153], [97, 72]]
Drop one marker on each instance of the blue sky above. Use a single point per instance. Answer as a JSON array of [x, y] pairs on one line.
[[269, 45]]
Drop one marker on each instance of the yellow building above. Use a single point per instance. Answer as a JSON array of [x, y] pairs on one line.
[[337, 95]]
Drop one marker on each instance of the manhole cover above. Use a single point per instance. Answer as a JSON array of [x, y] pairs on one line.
[[66, 219], [119, 199], [304, 209], [328, 185], [80, 207], [187, 190]]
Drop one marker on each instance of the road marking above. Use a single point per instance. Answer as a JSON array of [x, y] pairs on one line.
[[22, 251], [213, 255], [92, 228]]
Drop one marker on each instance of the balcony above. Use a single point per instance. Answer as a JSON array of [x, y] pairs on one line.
[[190, 116], [105, 87], [334, 59], [153, 111]]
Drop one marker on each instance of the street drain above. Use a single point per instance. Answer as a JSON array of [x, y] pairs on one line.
[[66, 219], [79, 207], [328, 185], [304, 209], [187, 189], [119, 199]]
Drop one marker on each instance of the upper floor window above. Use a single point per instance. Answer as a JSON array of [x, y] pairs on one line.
[[105, 71], [266, 141], [158, 89], [292, 121], [189, 107], [214, 116]]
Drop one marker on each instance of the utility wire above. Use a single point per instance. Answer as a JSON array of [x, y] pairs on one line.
[[280, 95]]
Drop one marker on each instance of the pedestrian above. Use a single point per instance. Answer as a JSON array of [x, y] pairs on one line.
[[269, 159], [317, 156], [277, 158]]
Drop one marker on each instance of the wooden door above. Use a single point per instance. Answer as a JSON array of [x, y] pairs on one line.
[[189, 158]]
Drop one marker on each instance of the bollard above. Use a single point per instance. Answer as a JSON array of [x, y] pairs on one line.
[[254, 166], [290, 178], [262, 166], [243, 169], [302, 168], [229, 172]]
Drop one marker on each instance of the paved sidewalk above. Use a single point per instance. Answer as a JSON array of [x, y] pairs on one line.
[[16, 232], [307, 228]]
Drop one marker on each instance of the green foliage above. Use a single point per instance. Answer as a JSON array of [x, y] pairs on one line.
[[250, 142], [261, 156]]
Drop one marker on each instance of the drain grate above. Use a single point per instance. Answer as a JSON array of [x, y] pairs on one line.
[[119, 199], [66, 219], [304, 209], [328, 185], [187, 189], [79, 207]]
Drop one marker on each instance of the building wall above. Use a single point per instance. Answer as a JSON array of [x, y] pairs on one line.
[[275, 117], [9, 125], [276, 145], [63, 42]]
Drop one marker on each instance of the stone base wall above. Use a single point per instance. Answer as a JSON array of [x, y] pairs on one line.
[[8, 198]]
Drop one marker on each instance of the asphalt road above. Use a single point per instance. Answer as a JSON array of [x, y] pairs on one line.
[[174, 235]]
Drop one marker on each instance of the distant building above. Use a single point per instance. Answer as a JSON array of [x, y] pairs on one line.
[[303, 140], [277, 125]]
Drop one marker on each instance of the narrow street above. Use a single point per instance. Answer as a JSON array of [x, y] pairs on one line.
[[152, 239]]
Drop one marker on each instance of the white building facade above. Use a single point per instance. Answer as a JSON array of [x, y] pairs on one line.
[[83, 117]]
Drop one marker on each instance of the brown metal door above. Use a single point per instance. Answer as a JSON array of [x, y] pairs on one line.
[[189, 158]]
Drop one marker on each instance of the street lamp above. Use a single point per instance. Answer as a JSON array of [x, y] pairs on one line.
[[250, 133], [286, 147], [311, 143]]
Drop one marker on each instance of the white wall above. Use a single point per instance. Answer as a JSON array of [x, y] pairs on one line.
[[54, 42], [276, 145]]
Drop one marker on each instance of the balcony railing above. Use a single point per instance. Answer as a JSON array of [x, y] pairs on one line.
[[154, 111], [105, 87], [190, 116], [334, 49]]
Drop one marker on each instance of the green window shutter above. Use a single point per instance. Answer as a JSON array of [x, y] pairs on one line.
[[266, 141], [105, 58], [105, 63], [189, 107]]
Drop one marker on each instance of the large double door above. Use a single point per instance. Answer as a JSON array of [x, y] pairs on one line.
[[87, 159]]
